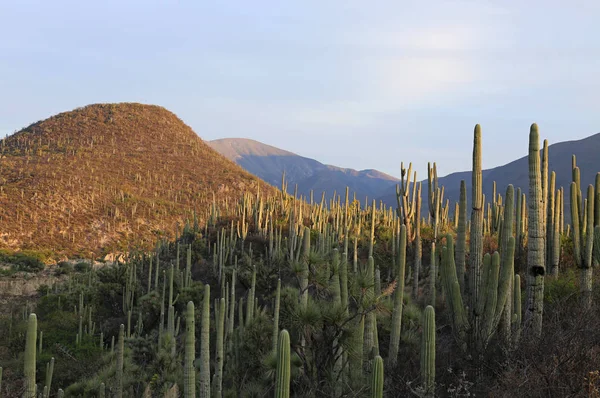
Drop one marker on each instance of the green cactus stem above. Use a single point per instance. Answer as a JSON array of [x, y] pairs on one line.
[[276, 315], [398, 300], [476, 240], [535, 239], [205, 345], [119, 372], [220, 325], [428, 352], [30, 357], [189, 372], [282, 382], [377, 379]]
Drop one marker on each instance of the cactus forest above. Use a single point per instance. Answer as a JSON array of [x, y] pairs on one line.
[[286, 296]]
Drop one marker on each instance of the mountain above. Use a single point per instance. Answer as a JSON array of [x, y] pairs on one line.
[[517, 173], [105, 176], [269, 163]]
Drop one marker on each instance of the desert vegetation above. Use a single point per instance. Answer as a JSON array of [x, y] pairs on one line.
[[278, 295]]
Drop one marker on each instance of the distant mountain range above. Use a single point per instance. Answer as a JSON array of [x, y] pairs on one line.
[[586, 150], [269, 163]]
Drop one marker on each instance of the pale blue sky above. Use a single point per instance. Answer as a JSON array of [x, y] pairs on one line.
[[362, 84]]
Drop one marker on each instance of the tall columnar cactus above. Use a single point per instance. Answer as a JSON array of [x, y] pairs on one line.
[[536, 266], [432, 274], [369, 342], [549, 225], [30, 347], [476, 239], [516, 332], [119, 372], [495, 291], [220, 308], [251, 295], [461, 237], [304, 272], [507, 264], [276, 314], [586, 270], [417, 243], [189, 372], [377, 378], [282, 383], [428, 352], [49, 373], [398, 299], [344, 281], [205, 345], [555, 253]]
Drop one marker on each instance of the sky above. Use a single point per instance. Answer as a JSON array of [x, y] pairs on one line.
[[353, 83]]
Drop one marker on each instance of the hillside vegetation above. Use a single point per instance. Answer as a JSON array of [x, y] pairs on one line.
[[273, 296], [106, 176]]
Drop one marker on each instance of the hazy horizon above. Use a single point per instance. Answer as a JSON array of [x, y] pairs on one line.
[[348, 84]]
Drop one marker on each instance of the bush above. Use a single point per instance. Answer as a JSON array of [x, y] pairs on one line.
[[82, 266], [26, 260], [64, 268]]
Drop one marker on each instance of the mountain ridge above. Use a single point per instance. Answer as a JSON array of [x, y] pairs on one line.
[[516, 172], [269, 163]]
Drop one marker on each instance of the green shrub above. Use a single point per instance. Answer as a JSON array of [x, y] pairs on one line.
[[564, 288], [26, 260], [82, 266]]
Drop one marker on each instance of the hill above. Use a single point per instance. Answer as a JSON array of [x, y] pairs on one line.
[[269, 163], [516, 172], [105, 176]]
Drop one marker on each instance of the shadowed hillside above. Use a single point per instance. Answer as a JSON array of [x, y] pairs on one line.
[[516, 172], [105, 175], [268, 163]]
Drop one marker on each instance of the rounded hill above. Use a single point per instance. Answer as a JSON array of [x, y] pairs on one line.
[[104, 176]]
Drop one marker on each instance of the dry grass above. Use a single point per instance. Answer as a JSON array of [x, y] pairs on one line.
[[101, 177]]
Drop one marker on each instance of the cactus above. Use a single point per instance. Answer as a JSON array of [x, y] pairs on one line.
[[377, 379], [282, 383], [398, 298], [251, 295], [516, 331], [461, 237], [432, 274], [49, 373], [369, 342], [535, 238], [205, 345], [586, 270], [417, 243], [476, 242], [220, 325], [304, 272], [276, 315], [189, 373], [30, 357], [555, 252], [428, 352], [508, 265], [119, 372]]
